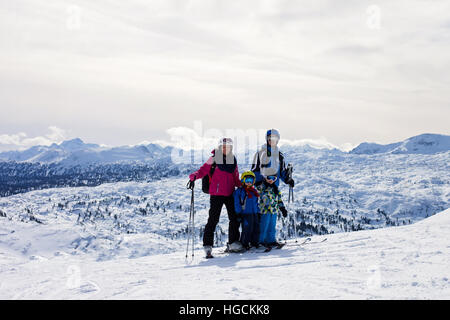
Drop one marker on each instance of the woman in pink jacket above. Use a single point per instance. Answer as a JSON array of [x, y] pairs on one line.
[[223, 181]]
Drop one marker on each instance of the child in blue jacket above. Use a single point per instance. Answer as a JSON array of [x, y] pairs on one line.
[[246, 207]]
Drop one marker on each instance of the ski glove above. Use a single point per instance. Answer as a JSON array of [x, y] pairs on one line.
[[291, 182], [283, 212], [191, 184]]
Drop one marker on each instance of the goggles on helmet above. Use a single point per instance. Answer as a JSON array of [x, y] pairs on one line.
[[249, 180]]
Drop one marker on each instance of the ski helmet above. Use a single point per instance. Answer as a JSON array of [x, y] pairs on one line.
[[226, 141], [248, 175], [272, 132]]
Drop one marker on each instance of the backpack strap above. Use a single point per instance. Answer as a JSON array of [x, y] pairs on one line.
[[211, 171]]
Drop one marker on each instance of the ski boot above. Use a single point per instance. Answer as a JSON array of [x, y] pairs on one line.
[[235, 247], [208, 252]]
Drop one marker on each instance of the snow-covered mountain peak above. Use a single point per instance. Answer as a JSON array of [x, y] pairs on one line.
[[425, 144], [73, 144], [422, 144], [76, 151]]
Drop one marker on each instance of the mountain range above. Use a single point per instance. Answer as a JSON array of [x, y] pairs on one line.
[[74, 163], [76, 152], [422, 144]]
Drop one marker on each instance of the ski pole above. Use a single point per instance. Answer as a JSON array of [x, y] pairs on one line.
[[193, 223], [285, 225], [291, 197], [190, 235]]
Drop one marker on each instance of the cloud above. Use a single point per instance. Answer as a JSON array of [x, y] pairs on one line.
[[20, 141], [321, 143], [188, 139], [244, 140], [173, 61], [13, 139]]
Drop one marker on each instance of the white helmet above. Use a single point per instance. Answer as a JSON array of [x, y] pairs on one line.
[[226, 141]]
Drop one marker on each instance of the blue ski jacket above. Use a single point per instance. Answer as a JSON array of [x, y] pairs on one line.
[[244, 204]]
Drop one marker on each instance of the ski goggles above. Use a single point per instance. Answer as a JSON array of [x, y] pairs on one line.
[[274, 138], [273, 178], [249, 180]]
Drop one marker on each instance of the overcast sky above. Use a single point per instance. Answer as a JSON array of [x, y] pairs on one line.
[[121, 72]]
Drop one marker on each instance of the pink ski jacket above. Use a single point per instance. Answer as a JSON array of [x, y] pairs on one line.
[[222, 183]]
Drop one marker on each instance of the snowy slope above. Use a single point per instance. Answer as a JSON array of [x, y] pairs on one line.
[[135, 232], [332, 194], [408, 262]]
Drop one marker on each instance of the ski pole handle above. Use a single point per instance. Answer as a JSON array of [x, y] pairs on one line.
[[190, 185], [289, 170]]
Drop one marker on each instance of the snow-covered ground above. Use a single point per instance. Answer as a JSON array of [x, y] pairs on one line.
[[127, 239], [407, 262], [333, 193]]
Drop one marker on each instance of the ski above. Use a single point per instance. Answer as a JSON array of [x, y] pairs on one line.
[[226, 251], [261, 249], [323, 240], [298, 244], [306, 241], [280, 245]]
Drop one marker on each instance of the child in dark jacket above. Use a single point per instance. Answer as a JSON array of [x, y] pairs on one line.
[[246, 207]]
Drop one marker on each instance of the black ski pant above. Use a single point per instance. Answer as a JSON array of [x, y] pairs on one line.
[[250, 229], [216, 204]]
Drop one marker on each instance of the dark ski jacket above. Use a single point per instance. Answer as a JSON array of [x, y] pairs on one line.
[[246, 202]]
